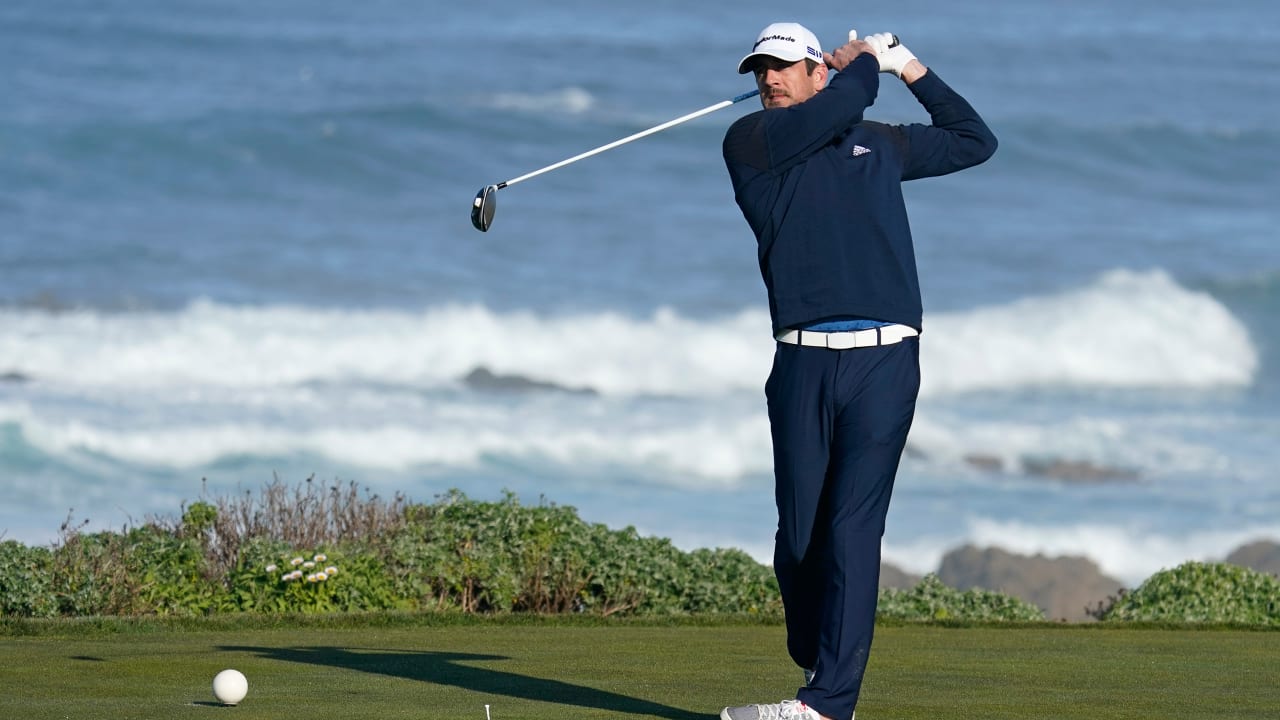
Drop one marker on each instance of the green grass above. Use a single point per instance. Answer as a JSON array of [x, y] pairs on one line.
[[407, 667]]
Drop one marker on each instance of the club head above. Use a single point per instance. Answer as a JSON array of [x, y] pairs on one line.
[[482, 209]]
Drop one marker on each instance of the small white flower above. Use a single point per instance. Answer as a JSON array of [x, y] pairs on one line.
[[308, 564], [287, 577], [320, 557], [321, 576], [296, 575], [312, 578], [272, 568], [296, 562], [331, 570]]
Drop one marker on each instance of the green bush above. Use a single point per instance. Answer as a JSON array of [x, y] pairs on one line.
[[271, 577], [167, 573], [26, 581], [459, 554], [363, 582], [90, 575], [256, 582], [473, 556], [729, 580], [144, 570], [631, 574], [505, 557], [1196, 592], [930, 599]]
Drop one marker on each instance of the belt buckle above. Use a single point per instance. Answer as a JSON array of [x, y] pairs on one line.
[[811, 338], [842, 340]]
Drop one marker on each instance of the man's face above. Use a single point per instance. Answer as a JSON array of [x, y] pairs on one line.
[[783, 84]]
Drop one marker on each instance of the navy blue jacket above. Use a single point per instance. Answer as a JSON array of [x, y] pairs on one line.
[[822, 190]]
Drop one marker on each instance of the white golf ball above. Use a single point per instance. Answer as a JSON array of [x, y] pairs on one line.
[[230, 687]]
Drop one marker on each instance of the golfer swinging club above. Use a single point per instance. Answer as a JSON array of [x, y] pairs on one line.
[[822, 189]]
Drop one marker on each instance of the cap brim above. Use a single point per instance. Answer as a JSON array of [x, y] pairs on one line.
[[744, 67]]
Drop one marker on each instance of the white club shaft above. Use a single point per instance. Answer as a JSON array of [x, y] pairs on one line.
[[643, 133]]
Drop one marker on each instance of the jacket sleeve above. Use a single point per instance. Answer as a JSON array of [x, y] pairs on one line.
[[774, 140], [957, 138]]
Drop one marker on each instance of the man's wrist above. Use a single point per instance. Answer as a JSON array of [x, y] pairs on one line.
[[913, 71]]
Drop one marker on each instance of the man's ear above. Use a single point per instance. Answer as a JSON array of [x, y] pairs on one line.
[[820, 74]]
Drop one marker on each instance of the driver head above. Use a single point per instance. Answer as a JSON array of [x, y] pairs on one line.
[[482, 209]]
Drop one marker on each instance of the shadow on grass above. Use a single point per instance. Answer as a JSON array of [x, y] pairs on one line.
[[444, 668]]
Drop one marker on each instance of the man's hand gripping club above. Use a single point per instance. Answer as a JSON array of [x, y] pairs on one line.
[[840, 58], [894, 57]]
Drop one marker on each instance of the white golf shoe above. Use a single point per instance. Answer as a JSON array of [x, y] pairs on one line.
[[785, 710]]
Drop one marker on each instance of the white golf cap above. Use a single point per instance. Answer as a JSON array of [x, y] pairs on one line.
[[786, 41]]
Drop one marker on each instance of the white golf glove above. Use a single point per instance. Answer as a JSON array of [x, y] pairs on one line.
[[893, 55]]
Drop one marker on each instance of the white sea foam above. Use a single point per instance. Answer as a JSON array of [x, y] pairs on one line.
[[678, 398], [1125, 330], [224, 346], [707, 446], [1147, 444]]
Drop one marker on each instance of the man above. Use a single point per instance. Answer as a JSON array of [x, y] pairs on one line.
[[821, 188]]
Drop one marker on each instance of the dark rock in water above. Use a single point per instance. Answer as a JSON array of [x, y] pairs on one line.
[[1069, 471], [483, 379], [982, 461], [892, 577], [1077, 471], [14, 377], [914, 452], [1062, 586], [1262, 555]]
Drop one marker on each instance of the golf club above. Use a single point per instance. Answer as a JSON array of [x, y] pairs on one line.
[[486, 200]]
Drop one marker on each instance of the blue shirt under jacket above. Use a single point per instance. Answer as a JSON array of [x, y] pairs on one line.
[[822, 189]]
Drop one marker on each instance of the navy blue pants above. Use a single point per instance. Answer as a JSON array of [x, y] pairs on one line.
[[839, 420]]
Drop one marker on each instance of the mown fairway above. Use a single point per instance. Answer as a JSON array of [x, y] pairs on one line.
[[546, 671]]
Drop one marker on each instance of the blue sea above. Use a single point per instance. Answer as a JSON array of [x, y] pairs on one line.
[[235, 245]]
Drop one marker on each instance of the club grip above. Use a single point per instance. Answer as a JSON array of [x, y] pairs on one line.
[[853, 35]]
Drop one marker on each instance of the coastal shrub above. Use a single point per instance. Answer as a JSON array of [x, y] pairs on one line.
[[166, 573], [250, 553], [26, 589], [468, 555], [143, 570], [255, 583], [89, 574], [275, 578], [730, 580], [930, 599], [305, 515], [363, 583], [1197, 592], [199, 520], [634, 574], [502, 556]]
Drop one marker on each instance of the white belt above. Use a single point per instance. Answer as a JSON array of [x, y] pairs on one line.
[[873, 337]]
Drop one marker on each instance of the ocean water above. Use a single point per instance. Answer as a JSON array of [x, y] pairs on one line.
[[235, 245]]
